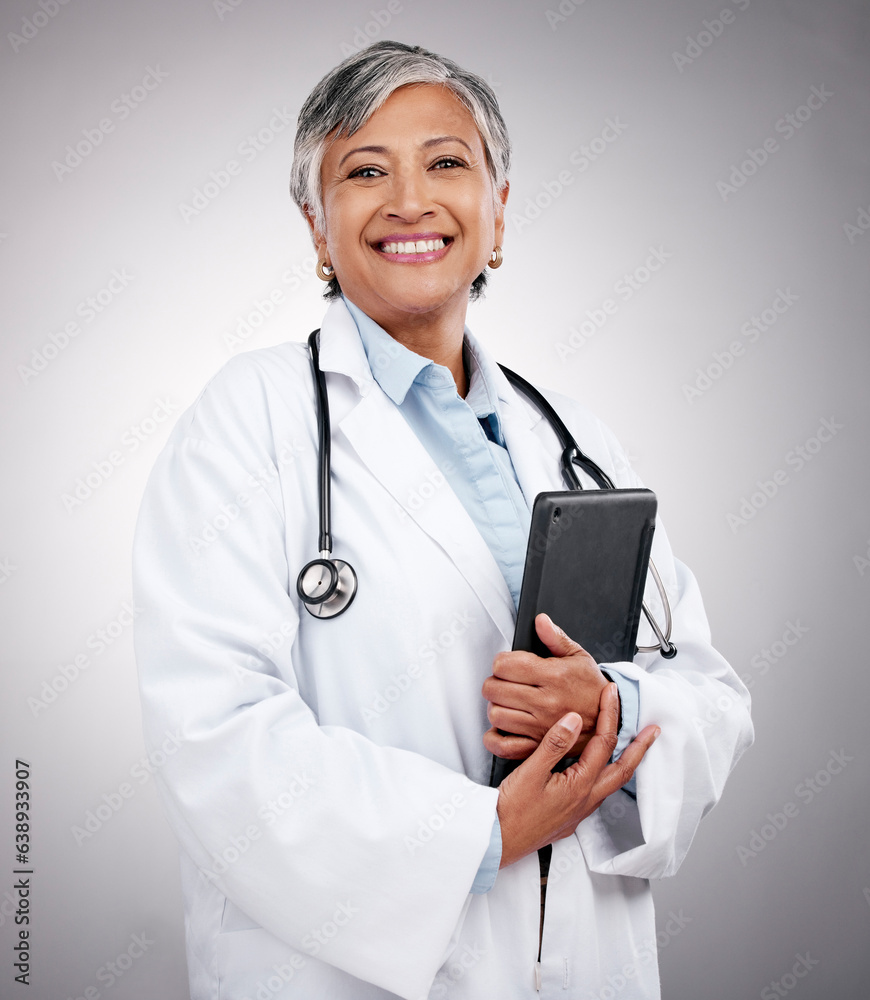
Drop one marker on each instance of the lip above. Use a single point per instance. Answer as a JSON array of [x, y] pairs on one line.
[[411, 258]]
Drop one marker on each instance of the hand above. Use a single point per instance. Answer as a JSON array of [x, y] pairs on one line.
[[528, 694], [536, 806]]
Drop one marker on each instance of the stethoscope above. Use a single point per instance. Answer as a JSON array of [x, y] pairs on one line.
[[327, 586]]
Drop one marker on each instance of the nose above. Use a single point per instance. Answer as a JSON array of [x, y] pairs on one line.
[[409, 198]]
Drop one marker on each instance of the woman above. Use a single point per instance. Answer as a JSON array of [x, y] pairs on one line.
[[331, 791]]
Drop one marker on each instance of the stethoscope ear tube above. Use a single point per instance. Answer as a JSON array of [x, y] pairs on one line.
[[668, 649]]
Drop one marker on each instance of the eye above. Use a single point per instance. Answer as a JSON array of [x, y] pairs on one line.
[[367, 172], [447, 161]]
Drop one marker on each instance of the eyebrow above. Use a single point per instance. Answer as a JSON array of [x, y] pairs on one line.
[[383, 151]]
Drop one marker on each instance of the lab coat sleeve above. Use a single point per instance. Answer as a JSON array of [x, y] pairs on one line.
[[702, 708], [301, 826]]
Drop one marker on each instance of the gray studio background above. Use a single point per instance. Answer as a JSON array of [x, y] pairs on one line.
[[732, 243]]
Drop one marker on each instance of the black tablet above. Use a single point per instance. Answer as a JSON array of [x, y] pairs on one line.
[[586, 564]]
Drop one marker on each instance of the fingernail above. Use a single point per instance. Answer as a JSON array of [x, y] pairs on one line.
[[572, 722], [658, 733]]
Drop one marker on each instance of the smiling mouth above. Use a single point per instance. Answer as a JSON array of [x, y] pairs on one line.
[[414, 246]]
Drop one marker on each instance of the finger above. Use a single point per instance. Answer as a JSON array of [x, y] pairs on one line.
[[510, 694], [508, 745], [621, 771], [557, 741], [518, 723], [557, 641], [600, 747], [518, 666]]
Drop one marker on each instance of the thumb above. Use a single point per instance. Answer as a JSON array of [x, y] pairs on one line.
[[557, 741], [558, 642]]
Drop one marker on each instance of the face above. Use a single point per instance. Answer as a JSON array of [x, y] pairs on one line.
[[410, 218]]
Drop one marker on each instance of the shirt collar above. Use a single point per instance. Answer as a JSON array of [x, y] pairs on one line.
[[393, 366]]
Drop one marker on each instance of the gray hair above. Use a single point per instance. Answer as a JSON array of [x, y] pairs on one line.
[[350, 94]]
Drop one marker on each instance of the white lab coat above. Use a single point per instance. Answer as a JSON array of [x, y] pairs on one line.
[[330, 787]]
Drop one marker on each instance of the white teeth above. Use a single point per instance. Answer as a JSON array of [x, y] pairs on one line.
[[411, 246]]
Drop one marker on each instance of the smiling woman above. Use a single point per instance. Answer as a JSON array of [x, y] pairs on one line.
[[330, 789], [410, 219]]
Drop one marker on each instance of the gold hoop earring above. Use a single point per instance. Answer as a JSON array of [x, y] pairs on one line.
[[496, 258], [325, 271]]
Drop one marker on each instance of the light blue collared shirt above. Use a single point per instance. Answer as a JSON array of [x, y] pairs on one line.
[[465, 440]]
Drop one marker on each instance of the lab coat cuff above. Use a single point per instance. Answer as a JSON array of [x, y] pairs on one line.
[[486, 873]]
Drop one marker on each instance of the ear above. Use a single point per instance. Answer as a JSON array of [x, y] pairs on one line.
[[501, 197], [317, 237]]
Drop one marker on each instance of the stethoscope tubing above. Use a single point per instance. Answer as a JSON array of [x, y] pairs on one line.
[[342, 586], [324, 433]]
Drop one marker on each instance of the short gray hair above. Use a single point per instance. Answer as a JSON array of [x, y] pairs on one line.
[[350, 94]]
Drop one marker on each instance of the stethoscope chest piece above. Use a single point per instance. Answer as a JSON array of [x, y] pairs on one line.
[[326, 587]]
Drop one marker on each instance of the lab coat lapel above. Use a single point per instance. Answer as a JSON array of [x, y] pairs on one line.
[[393, 454]]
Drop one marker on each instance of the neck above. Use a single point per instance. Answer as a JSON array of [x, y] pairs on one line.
[[438, 338]]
